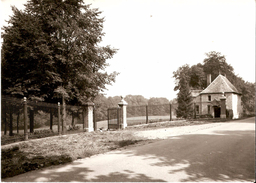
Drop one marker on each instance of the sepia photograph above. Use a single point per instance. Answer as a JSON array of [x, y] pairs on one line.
[[128, 91]]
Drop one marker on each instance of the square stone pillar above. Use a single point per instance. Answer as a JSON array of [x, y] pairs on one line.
[[88, 117], [223, 107], [123, 104]]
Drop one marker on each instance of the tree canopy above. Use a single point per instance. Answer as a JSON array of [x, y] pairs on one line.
[[51, 50]]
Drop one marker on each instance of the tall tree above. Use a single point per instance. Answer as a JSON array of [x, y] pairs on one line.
[[216, 64], [184, 98], [197, 77], [50, 50], [181, 75]]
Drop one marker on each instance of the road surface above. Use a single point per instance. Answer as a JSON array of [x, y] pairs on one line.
[[222, 152]]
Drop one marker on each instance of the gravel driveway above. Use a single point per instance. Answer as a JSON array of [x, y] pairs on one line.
[[165, 133]]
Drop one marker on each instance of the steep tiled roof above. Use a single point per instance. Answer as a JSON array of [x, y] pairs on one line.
[[219, 85]]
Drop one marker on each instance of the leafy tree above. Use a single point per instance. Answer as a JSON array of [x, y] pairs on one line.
[[135, 100], [197, 77], [181, 75], [113, 101], [248, 98], [216, 64], [50, 50], [184, 98], [194, 76], [101, 107], [158, 106]]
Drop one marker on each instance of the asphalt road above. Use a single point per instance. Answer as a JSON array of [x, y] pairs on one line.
[[223, 153]]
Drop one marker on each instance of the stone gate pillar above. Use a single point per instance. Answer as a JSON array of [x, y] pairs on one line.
[[88, 117], [223, 106], [123, 104]]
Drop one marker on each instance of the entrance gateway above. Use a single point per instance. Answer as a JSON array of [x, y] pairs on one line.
[[216, 108], [114, 118], [216, 111]]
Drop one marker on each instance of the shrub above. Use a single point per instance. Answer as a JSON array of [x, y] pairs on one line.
[[44, 131], [15, 162], [70, 128], [206, 116], [229, 113]]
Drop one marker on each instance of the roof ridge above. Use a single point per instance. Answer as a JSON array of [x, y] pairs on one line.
[[220, 84], [222, 77]]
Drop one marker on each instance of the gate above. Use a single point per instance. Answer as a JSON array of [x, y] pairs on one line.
[[114, 118]]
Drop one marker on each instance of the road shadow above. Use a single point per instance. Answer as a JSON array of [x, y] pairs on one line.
[[222, 156], [79, 174]]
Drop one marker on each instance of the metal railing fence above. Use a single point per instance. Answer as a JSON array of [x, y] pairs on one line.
[[150, 113]]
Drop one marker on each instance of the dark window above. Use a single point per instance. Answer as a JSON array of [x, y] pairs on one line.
[[209, 98]]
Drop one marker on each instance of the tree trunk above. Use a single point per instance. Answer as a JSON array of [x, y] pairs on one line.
[[10, 127]]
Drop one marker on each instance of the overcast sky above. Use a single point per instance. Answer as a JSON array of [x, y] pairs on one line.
[[155, 37]]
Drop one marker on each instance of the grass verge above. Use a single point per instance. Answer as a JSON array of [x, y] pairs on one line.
[[36, 154]]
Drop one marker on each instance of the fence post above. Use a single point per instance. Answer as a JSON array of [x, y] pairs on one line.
[[123, 104], [18, 119], [94, 120], [25, 119], [170, 111], [10, 127], [31, 118], [5, 121], [146, 114], [51, 119], [64, 127], [88, 117], [59, 118]]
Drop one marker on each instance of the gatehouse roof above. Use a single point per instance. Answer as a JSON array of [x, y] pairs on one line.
[[219, 85]]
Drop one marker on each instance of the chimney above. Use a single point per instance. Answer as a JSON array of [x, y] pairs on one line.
[[209, 79]]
